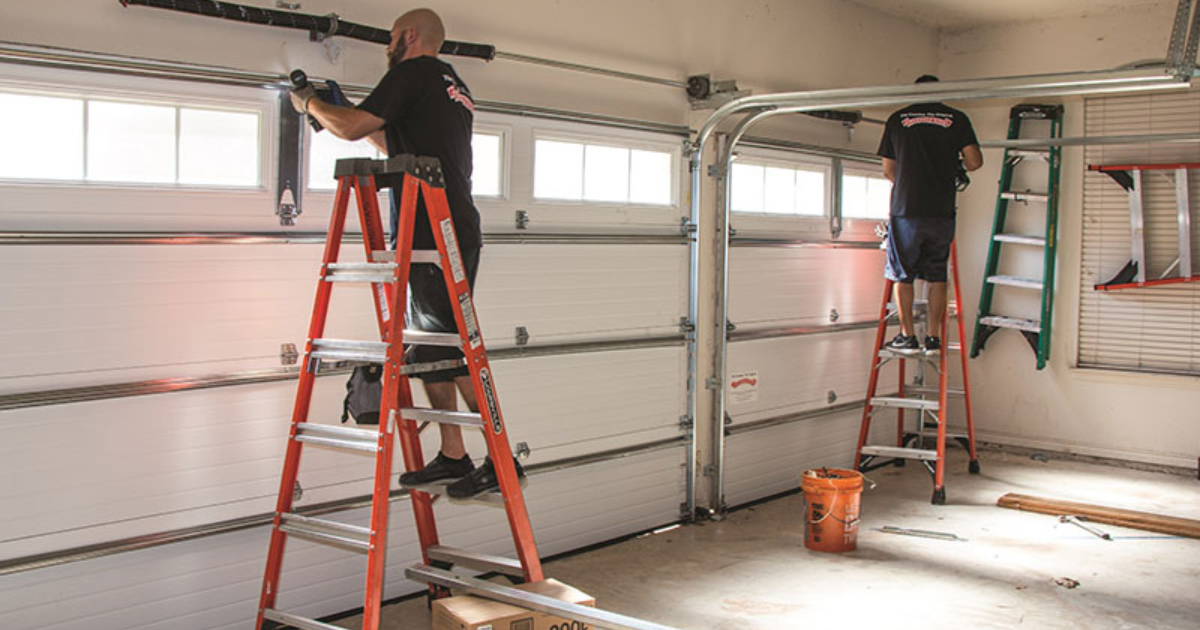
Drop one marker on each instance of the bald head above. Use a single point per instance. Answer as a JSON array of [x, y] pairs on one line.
[[423, 30]]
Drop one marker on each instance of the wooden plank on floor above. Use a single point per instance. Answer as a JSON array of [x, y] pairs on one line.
[[1101, 514]]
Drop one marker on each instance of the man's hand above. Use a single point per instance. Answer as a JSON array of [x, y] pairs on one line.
[[301, 97]]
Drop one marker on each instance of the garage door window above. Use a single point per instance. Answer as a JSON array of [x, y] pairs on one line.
[[579, 171]]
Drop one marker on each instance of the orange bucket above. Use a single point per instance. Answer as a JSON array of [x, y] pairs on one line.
[[831, 500]]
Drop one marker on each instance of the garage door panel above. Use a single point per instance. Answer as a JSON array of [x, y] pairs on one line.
[[213, 583], [769, 461], [797, 373], [775, 286], [572, 293]]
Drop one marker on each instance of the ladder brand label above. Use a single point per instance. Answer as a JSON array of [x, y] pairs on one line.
[[489, 398], [384, 311], [468, 311], [456, 265]]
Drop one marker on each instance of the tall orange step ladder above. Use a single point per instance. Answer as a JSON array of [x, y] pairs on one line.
[[930, 403], [388, 273]]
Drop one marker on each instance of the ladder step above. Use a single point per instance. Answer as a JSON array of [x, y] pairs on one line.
[[360, 272], [296, 621], [328, 430], [477, 561], [1020, 239], [591, 617], [897, 452], [931, 391], [325, 531], [421, 256], [346, 350], [888, 353], [1025, 196], [1041, 154], [1013, 281], [419, 368], [422, 338], [999, 321], [904, 403], [490, 499], [353, 445], [460, 418]]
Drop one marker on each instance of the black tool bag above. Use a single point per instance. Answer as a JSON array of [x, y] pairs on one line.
[[364, 392]]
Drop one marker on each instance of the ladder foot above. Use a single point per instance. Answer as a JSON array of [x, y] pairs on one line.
[[973, 467], [939, 496]]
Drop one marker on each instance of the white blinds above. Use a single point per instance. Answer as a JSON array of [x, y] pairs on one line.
[[1153, 329]]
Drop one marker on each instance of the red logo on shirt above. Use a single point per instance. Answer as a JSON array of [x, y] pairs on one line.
[[458, 95], [928, 120]]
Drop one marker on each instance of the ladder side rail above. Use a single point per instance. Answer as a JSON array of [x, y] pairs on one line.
[[901, 369], [367, 196], [939, 477], [873, 381], [373, 241], [1183, 208], [483, 381], [1050, 253], [1137, 234], [410, 438], [291, 465], [962, 335], [994, 246]]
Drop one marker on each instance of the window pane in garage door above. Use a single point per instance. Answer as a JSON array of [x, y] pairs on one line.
[[130, 142], [43, 137], [218, 148]]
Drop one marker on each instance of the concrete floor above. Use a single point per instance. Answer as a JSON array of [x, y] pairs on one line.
[[752, 571]]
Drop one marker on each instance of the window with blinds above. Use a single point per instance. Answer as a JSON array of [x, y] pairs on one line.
[[1146, 329]]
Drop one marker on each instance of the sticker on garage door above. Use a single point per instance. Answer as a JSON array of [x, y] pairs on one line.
[[743, 387]]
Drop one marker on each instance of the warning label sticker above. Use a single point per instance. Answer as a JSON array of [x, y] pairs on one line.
[[385, 312], [743, 387], [489, 398], [468, 311], [456, 265]]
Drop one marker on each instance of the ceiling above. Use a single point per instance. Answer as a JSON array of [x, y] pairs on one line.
[[962, 14]]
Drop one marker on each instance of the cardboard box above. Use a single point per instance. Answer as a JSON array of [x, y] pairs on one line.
[[466, 612]]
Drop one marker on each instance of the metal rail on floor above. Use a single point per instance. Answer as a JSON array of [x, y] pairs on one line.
[[531, 601]]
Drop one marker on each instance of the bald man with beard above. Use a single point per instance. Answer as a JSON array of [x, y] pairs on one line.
[[422, 107]]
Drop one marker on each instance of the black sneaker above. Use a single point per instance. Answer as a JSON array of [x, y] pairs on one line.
[[933, 345], [482, 479], [905, 344], [442, 468]]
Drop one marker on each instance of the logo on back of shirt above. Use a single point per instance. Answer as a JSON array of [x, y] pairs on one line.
[[462, 97], [941, 120]]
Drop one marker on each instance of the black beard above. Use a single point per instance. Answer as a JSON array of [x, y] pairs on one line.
[[397, 55]]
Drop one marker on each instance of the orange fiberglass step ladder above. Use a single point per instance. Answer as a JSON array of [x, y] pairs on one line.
[[929, 403], [388, 273]]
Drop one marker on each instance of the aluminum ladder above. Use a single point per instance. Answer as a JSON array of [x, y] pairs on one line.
[[388, 273], [987, 322], [929, 403]]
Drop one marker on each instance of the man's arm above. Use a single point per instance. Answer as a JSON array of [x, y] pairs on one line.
[[972, 157], [378, 139], [889, 169], [347, 123]]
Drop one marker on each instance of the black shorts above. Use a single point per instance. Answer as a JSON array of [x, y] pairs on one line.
[[429, 310], [918, 247]]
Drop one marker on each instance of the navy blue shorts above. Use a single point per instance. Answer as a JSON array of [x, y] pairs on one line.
[[918, 248]]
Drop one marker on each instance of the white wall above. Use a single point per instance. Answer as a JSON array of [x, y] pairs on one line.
[[1149, 418]]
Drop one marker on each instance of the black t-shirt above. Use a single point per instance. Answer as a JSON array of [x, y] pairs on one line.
[[925, 140], [429, 112]]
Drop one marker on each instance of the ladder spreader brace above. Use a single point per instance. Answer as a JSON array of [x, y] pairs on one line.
[[1133, 274]]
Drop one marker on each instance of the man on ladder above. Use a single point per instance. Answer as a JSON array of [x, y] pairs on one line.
[[422, 107], [920, 150]]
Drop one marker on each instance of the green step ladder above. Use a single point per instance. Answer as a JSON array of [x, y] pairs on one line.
[[987, 322]]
